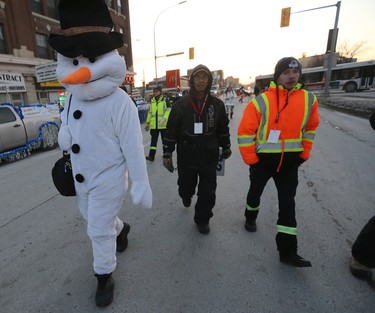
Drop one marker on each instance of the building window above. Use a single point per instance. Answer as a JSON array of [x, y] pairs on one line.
[[42, 46], [18, 98], [119, 7], [110, 4], [36, 6], [52, 9], [43, 97], [3, 49]]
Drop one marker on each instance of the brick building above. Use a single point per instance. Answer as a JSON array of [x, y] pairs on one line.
[[24, 29]]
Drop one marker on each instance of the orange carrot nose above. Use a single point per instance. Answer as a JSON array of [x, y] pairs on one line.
[[80, 76]]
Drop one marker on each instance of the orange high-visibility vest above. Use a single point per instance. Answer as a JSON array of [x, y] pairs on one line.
[[295, 115]]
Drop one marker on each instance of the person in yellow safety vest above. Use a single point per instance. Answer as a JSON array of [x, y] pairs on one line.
[[275, 137], [157, 119]]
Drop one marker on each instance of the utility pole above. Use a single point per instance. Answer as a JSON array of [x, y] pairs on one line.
[[332, 51]]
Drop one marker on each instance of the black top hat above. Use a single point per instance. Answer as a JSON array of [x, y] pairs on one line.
[[85, 29]]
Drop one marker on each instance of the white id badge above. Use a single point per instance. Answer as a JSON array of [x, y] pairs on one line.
[[273, 136], [198, 128]]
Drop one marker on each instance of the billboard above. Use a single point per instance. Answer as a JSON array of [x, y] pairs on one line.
[[172, 79]]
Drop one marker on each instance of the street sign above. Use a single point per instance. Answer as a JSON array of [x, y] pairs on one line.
[[46, 72]]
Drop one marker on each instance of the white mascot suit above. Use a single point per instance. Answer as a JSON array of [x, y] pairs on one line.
[[102, 131]]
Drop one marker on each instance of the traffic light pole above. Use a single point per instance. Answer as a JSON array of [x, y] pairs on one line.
[[332, 52], [285, 14]]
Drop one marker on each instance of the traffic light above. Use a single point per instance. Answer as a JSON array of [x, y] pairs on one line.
[[285, 17], [191, 53]]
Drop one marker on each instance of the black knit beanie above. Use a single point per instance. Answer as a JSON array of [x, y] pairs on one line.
[[284, 64]]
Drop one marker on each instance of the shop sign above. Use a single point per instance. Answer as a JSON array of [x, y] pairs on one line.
[[12, 82]]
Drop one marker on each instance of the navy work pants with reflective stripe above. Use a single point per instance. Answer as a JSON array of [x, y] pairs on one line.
[[286, 181], [154, 140], [188, 178]]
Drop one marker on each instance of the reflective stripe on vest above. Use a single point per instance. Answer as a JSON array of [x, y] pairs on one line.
[[261, 104], [246, 141], [309, 101], [287, 230]]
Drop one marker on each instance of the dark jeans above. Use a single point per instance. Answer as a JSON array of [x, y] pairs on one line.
[[188, 178], [286, 181], [363, 249], [154, 140]]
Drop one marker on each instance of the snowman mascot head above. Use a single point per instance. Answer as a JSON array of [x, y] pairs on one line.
[[89, 66]]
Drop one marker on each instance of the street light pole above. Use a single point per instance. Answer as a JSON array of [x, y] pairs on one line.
[[155, 56]]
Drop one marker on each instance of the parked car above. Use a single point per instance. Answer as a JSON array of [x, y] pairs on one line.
[[26, 128], [143, 107]]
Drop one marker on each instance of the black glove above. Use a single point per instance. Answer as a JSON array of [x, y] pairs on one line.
[[226, 153], [300, 161], [168, 162]]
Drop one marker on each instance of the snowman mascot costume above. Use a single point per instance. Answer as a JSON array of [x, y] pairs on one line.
[[101, 129]]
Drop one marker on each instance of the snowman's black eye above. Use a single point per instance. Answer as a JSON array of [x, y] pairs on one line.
[[75, 62], [92, 60]]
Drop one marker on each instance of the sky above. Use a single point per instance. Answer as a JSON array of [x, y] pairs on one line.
[[240, 37]]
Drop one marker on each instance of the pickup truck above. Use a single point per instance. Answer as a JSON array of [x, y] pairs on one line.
[[26, 128]]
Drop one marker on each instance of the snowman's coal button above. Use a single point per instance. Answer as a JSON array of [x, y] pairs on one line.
[[77, 114], [80, 178], [75, 148]]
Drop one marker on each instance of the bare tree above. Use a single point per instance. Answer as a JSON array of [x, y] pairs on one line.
[[348, 51]]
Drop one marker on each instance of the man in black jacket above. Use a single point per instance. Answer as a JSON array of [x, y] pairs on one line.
[[363, 251], [198, 125]]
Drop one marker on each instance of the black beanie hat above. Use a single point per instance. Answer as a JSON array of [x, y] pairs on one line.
[[158, 88], [284, 64]]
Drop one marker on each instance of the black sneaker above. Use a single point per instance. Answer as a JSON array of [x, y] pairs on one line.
[[186, 202], [104, 290], [294, 259], [151, 159], [203, 228], [122, 238], [250, 225]]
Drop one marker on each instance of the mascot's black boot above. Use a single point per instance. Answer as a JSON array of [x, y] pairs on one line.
[[104, 291], [122, 238]]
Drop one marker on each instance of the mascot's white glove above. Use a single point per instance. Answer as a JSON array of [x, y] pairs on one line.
[[142, 195], [147, 127], [65, 138], [162, 121]]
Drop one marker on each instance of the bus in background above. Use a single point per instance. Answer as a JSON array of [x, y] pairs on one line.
[[348, 77]]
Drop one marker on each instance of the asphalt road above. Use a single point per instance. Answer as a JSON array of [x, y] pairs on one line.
[[46, 260]]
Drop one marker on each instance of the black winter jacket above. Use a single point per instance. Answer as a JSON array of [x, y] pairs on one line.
[[197, 150]]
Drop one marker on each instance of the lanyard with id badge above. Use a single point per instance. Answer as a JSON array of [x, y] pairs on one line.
[[198, 126]]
